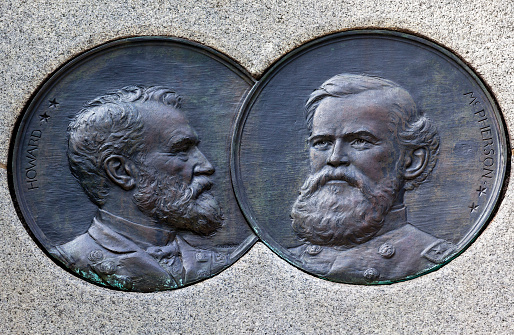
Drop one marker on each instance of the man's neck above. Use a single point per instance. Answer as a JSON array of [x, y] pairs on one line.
[[396, 218]]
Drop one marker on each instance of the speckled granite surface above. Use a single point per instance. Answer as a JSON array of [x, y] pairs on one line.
[[260, 293]]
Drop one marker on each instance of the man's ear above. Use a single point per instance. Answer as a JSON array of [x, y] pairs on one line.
[[121, 171], [415, 162]]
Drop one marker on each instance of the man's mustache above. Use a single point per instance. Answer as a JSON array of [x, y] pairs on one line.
[[199, 185], [326, 174]]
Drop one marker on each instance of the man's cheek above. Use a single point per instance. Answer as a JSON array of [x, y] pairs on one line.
[[372, 167], [171, 166], [318, 160]]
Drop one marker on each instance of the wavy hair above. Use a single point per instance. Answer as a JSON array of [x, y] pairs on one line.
[[109, 125]]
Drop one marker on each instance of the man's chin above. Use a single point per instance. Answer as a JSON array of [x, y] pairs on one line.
[[337, 214], [338, 188], [333, 236]]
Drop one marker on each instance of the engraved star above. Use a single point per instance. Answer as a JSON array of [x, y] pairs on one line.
[[53, 103], [481, 190], [473, 207], [437, 250], [44, 117]]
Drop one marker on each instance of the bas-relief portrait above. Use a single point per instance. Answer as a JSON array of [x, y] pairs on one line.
[[368, 145], [137, 159], [369, 157], [159, 225]]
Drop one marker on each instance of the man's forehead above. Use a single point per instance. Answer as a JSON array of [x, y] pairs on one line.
[[164, 122], [369, 98], [357, 107]]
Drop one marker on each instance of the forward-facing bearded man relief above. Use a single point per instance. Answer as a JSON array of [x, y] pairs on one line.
[[368, 145], [137, 159]]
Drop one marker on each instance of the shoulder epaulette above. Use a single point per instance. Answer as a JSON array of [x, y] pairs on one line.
[[438, 251]]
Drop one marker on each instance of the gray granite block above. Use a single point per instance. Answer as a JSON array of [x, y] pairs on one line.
[[260, 293]]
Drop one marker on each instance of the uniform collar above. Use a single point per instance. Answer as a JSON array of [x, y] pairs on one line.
[[141, 235]]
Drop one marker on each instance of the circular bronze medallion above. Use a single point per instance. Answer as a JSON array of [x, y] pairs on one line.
[[369, 157], [120, 164]]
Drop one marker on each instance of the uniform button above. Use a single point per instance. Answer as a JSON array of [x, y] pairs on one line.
[[219, 258], [107, 267], [202, 274], [314, 249], [386, 250], [201, 257], [95, 256], [371, 274]]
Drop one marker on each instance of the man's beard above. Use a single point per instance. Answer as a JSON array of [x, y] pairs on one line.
[[341, 214], [182, 206]]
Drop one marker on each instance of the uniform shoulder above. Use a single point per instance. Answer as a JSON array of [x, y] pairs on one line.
[[75, 250], [434, 249]]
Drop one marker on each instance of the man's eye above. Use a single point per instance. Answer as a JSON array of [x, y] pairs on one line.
[[181, 153], [181, 149], [360, 143], [321, 144], [178, 151]]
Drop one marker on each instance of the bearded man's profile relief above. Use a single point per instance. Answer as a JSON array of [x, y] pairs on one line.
[[369, 144], [137, 158]]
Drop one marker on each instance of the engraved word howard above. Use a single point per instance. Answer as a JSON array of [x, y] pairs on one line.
[[30, 170]]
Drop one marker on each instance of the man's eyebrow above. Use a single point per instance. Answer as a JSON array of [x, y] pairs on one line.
[[183, 139], [317, 136], [361, 134], [350, 135]]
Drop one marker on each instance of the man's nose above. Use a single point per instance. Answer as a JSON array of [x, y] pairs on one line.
[[202, 164], [338, 156]]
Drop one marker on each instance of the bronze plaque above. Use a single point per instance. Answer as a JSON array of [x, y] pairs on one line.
[[369, 157], [120, 164]]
